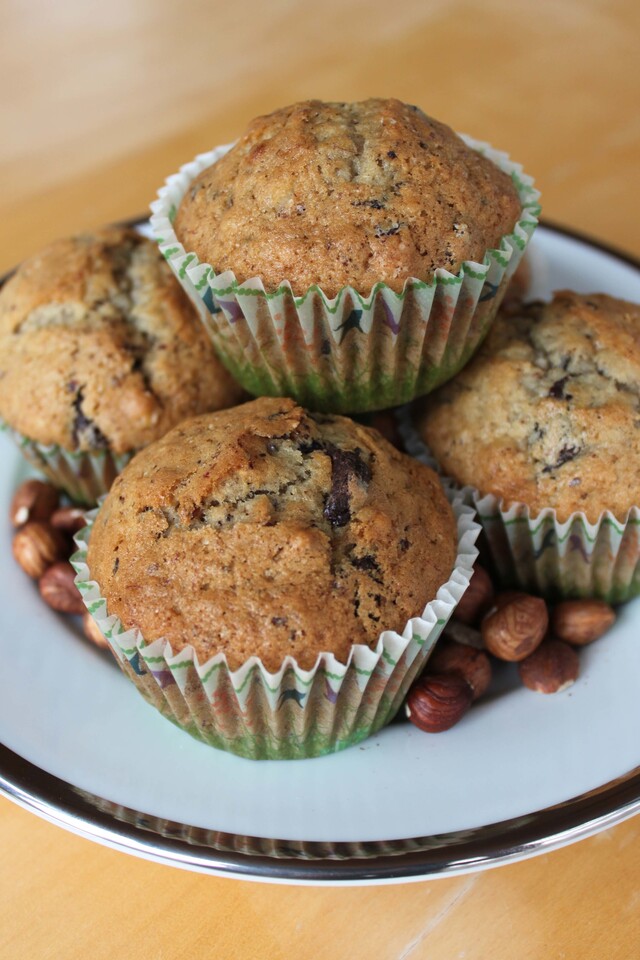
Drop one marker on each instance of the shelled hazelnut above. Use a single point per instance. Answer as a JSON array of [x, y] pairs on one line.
[[92, 631], [477, 598], [437, 702], [37, 546], [515, 627], [472, 665], [579, 622], [33, 500], [58, 589], [68, 519], [553, 667]]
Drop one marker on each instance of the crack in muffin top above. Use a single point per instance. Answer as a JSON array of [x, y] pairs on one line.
[[100, 347], [548, 412], [269, 531], [346, 193]]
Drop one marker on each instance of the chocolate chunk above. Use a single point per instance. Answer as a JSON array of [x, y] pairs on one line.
[[368, 562], [556, 390], [279, 621], [197, 515], [84, 430], [310, 446], [566, 454], [404, 545], [374, 204], [344, 465]]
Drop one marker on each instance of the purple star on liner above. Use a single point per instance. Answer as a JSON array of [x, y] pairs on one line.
[[164, 678], [232, 307], [390, 320], [575, 543], [329, 692]]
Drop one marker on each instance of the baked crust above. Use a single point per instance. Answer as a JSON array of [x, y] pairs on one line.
[[268, 531]]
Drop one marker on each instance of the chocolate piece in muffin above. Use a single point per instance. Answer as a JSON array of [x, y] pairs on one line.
[[101, 348], [269, 531], [548, 412], [346, 193]]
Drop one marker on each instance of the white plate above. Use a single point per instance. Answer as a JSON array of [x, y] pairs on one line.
[[83, 749]]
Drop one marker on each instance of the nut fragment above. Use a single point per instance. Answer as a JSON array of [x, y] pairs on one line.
[[472, 665], [68, 519], [581, 621], [462, 633], [551, 668], [477, 598], [37, 546], [92, 632], [33, 500], [57, 588], [514, 630], [436, 702]]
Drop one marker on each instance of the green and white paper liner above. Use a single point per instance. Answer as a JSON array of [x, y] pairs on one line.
[[293, 713], [352, 353], [83, 476], [540, 554]]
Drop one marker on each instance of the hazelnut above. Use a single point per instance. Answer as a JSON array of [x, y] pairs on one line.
[[37, 546], [506, 596], [581, 621], [436, 702], [462, 633], [58, 589], [514, 630], [33, 500], [552, 667], [384, 422], [93, 632], [68, 519], [477, 598], [472, 665]]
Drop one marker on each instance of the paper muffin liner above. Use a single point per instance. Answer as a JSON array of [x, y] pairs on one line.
[[559, 560], [293, 713], [350, 353], [83, 476]]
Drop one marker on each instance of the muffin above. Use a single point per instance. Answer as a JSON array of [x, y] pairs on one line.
[[272, 560], [544, 421], [101, 352], [351, 255]]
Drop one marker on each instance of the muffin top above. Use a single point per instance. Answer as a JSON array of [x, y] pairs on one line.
[[266, 530], [100, 347], [548, 412], [346, 193]]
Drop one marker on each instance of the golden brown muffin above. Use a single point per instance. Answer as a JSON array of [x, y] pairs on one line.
[[346, 193], [269, 531], [101, 348], [548, 412]]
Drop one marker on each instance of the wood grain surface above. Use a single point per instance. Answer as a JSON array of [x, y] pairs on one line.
[[98, 103]]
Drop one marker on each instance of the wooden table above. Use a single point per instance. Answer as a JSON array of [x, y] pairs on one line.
[[98, 105]]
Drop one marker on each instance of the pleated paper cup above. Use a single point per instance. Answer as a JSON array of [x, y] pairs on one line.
[[293, 713], [357, 351], [83, 476], [538, 553]]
